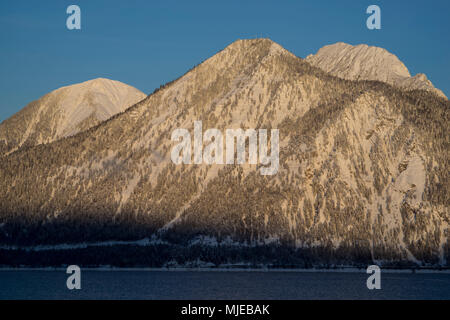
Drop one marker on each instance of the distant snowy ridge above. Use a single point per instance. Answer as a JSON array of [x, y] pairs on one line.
[[363, 62]]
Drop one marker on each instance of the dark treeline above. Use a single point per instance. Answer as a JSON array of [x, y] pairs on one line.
[[163, 255]]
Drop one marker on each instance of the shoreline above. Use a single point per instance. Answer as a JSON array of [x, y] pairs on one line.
[[224, 269]]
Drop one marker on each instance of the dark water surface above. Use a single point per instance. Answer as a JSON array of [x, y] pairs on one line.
[[38, 284]]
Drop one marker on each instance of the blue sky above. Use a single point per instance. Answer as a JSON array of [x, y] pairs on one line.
[[148, 43]]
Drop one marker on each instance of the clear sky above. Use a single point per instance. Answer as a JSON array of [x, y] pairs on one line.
[[148, 43]]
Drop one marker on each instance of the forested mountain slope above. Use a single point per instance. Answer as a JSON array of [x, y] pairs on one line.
[[363, 166]]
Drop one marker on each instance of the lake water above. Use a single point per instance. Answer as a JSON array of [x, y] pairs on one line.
[[38, 284]]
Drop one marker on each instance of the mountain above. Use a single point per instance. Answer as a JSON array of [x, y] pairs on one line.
[[363, 62], [363, 173], [65, 112]]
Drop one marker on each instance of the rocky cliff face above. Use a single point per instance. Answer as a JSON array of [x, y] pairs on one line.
[[364, 62], [65, 112], [363, 166]]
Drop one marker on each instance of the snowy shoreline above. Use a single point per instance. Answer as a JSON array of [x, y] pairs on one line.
[[198, 265]]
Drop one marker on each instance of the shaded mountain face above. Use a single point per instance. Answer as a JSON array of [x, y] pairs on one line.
[[363, 166], [65, 112], [363, 62]]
